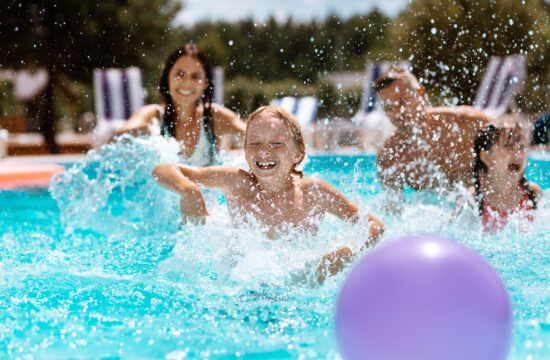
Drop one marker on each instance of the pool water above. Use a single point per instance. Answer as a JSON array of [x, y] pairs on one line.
[[100, 267]]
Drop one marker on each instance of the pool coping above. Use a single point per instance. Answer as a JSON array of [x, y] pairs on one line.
[[44, 159]]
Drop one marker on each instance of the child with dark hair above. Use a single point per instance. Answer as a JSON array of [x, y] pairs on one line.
[[500, 186]]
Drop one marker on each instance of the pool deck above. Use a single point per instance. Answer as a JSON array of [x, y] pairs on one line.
[[43, 159]]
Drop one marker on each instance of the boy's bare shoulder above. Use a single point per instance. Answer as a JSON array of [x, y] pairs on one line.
[[311, 183], [241, 178], [318, 186]]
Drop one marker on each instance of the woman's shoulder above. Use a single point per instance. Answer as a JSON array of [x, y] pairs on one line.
[[220, 112], [226, 121]]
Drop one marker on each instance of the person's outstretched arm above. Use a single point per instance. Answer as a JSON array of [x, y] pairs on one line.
[[185, 181], [141, 121], [334, 202]]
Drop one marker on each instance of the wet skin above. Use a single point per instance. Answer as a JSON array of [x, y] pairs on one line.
[[427, 141], [186, 82], [506, 162], [268, 192]]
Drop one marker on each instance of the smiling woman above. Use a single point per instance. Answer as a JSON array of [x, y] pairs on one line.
[[188, 113]]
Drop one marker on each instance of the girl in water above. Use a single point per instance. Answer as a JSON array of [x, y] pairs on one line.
[[188, 113], [500, 186], [273, 191]]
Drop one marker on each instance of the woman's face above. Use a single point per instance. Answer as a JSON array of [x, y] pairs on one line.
[[269, 149], [187, 80], [508, 157]]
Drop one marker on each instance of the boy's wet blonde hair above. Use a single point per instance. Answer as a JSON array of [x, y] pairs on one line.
[[291, 124]]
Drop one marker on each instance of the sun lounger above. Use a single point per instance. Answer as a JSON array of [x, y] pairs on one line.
[[118, 93], [502, 81], [305, 110]]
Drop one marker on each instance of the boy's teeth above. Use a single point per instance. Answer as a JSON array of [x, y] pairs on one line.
[[266, 163]]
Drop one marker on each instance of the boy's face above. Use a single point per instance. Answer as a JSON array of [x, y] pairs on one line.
[[187, 80], [508, 157], [269, 149]]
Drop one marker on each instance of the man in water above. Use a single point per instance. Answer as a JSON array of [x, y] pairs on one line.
[[431, 147]]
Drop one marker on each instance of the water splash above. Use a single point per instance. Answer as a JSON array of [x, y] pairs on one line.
[[139, 285], [111, 190]]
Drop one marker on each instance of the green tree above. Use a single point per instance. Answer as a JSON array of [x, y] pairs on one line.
[[451, 42], [273, 51], [71, 38]]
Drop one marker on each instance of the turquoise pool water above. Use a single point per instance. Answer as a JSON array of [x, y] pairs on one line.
[[99, 268]]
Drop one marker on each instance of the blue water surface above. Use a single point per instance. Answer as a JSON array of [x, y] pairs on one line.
[[100, 268]]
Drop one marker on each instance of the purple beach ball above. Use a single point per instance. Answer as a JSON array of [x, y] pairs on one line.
[[423, 298]]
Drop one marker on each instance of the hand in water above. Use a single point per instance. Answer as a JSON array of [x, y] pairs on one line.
[[333, 262], [193, 210]]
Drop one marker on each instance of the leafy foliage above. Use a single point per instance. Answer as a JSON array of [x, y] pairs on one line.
[[73, 37], [451, 42]]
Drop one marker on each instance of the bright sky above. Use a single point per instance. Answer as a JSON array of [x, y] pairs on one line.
[[232, 10]]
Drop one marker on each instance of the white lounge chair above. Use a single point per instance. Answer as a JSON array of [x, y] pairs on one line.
[[217, 78], [118, 93], [304, 109], [501, 82]]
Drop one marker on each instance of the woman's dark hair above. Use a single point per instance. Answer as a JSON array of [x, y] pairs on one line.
[[484, 141], [168, 126]]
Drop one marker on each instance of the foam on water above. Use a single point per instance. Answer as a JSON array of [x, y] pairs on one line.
[[112, 273], [112, 189]]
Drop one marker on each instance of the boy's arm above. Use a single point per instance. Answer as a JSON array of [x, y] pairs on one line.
[[335, 261], [336, 203], [333, 201], [181, 178], [185, 181]]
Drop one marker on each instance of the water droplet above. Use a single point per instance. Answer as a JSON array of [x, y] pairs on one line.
[[434, 31], [230, 42]]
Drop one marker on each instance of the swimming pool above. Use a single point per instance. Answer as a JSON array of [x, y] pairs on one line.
[[93, 276]]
